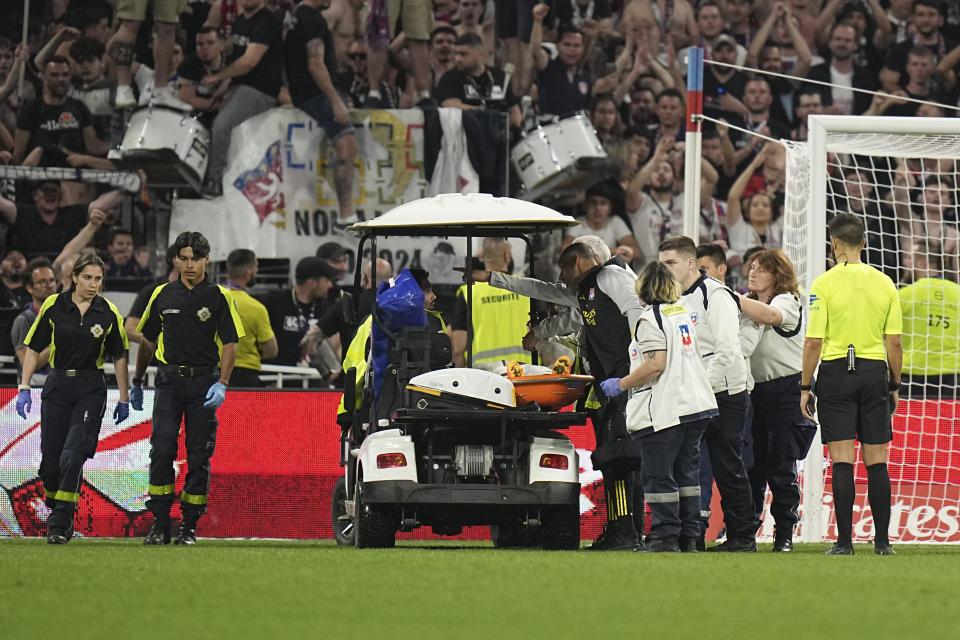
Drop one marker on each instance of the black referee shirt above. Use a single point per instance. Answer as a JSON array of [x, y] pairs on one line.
[[189, 325], [78, 342]]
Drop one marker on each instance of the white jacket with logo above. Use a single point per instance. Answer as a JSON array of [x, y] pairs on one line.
[[682, 392]]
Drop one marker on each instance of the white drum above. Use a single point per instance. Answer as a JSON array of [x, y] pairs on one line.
[[551, 148], [158, 135]]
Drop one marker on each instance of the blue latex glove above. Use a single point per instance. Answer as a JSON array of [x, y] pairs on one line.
[[216, 394], [24, 403], [121, 412], [136, 397], [611, 387]]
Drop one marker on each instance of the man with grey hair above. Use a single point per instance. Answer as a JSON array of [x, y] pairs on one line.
[[602, 288]]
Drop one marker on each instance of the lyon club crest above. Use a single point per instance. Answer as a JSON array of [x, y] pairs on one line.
[[261, 186]]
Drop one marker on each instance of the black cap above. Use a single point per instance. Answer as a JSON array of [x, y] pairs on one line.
[[331, 250], [312, 267]]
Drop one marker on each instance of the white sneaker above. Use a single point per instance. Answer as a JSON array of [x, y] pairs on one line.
[[167, 97], [124, 98]]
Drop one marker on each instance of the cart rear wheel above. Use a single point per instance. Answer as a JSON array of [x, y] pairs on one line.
[[560, 529], [375, 528], [344, 528]]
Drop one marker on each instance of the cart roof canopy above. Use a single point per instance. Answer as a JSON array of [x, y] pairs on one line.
[[457, 214]]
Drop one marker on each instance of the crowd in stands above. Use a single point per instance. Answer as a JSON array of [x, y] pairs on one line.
[[622, 62]]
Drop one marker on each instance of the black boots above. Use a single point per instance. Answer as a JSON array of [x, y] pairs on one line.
[[159, 531], [783, 542], [619, 535], [736, 545], [59, 535], [187, 533]]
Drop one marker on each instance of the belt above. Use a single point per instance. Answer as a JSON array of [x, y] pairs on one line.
[[188, 372], [72, 373]]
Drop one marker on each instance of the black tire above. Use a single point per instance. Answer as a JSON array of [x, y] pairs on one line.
[[512, 535], [375, 529], [344, 528], [560, 528]]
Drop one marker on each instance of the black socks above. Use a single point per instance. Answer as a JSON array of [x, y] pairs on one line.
[[878, 492], [844, 492]]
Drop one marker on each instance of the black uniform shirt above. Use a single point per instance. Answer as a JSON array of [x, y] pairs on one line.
[[78, 342], [189, 325], [310, 25], [290, 320]]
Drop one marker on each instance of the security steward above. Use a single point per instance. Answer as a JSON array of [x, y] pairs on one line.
[[608, 304], [854, 332], [80, 327], [186, 323], [259, 342], [499, 317]]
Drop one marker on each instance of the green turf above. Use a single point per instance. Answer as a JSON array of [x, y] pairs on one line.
[[112, 588]]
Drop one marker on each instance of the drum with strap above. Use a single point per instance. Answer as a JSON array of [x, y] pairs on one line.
[[171, 146]]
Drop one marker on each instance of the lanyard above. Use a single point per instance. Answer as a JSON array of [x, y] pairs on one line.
[[665, 216], [303, 321]]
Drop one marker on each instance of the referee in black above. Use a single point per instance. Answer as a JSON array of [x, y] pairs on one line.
[[185, 324], [854, 332], [80, 327]]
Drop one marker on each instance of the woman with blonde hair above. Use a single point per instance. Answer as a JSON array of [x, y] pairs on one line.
[[773, 311], [669, 423]]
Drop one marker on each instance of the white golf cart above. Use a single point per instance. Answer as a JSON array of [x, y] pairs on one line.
[[447, 448]]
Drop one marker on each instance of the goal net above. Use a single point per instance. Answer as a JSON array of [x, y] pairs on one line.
[[901, 175]]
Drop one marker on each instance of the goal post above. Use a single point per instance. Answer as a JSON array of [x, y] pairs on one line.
[[901, 175]]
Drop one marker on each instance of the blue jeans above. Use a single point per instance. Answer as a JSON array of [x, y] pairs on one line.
[[320, 109]]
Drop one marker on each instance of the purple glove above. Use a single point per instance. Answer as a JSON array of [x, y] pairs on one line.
[[611, 387]]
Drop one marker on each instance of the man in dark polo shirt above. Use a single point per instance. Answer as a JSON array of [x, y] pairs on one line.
[[564, 85], [294, 312], [208, 58], [471, 84], [255, 78], [184, 324]]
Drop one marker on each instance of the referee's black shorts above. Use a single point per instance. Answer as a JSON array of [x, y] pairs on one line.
[[854, 404]]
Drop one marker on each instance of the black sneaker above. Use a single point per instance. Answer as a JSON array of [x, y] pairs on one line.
[[57, 535], [690, 545], [736, 545], [186, 534], [159, 533], [782, 543], [664, 545], [884, 550], [612, 540], [839, 550]]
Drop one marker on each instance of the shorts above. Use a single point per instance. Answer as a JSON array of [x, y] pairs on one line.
[[515, 18], [320, 109], [163, 10], [854, 405], [416, 18]]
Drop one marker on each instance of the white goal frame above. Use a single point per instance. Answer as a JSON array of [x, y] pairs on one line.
[[820, 127]]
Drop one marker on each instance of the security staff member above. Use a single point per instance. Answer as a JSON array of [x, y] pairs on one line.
[[931, 324], [604, 294], [781, 435], [185, 324], [499, 319], [715, 314], [80, 327], [854, 333], [259, 341]]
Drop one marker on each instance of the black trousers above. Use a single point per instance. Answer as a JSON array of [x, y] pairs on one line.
[[724, 439], [670, 470], [181, 398], [71, 413], [776, 416], [241, 377]]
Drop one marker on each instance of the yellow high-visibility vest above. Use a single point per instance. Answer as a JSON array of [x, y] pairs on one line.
[[356, 356], [499, 323]]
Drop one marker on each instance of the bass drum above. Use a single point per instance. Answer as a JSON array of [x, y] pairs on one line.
[[162, 136], [548, 149]]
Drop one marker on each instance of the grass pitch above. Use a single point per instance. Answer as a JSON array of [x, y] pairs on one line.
[[117, 588]]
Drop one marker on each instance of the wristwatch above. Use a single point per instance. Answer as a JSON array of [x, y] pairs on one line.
[[893, 386], [805, 387]]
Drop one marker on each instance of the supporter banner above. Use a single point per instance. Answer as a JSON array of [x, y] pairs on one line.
[[279, 198]]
